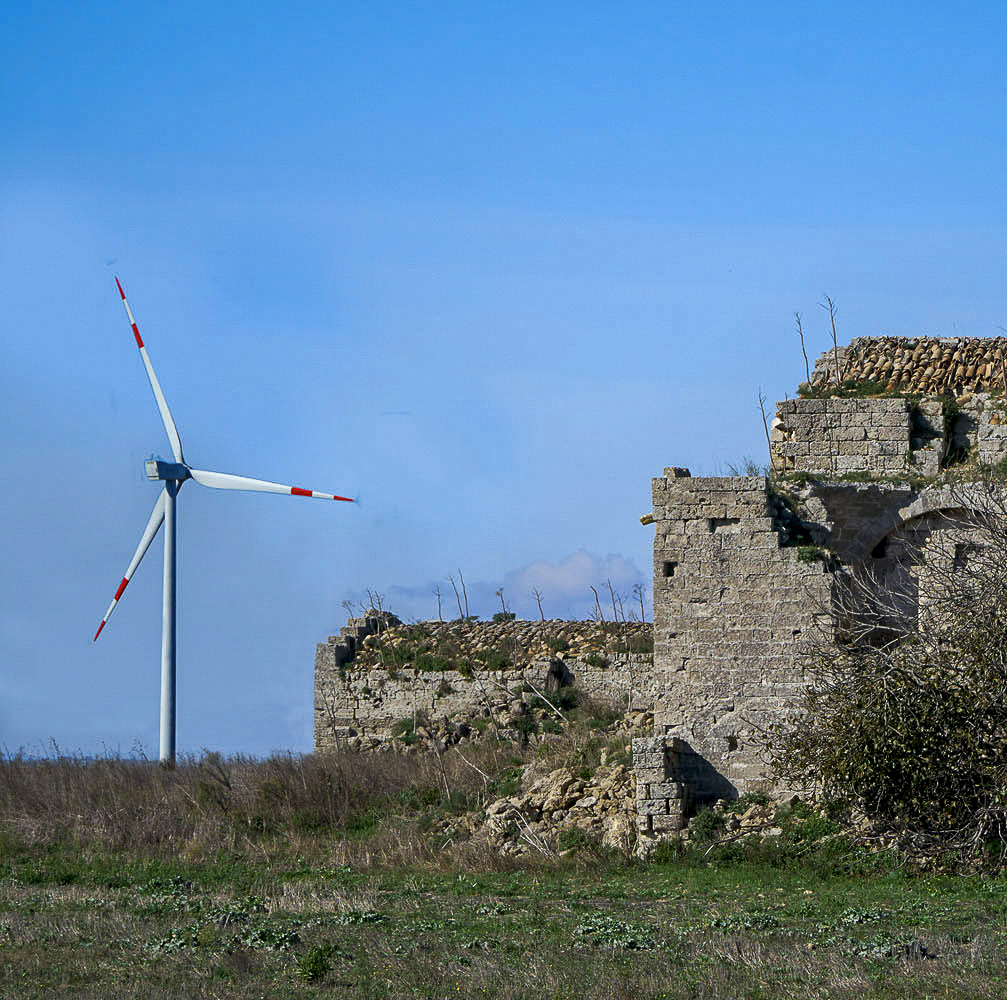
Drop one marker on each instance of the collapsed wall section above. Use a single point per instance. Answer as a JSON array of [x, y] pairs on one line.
[[732, 611]]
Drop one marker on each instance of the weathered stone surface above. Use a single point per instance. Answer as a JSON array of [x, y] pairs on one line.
[[370, 696]]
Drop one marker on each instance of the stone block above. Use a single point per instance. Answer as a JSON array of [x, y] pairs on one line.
[[647, 775], [652, 807], [666, 790], [671, 823], [651, 759]]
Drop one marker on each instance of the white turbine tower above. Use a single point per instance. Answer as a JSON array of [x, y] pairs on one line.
[[174, 474]]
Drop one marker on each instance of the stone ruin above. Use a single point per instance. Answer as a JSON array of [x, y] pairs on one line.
[[746, 568]]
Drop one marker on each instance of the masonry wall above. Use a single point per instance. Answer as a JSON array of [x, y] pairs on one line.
[[732, 611], [368, 702], [838, 436], [887, 437]]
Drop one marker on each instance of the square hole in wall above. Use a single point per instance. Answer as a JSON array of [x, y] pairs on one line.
[[669, 568]]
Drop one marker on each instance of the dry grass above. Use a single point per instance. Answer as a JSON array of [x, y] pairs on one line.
[[238, 804]]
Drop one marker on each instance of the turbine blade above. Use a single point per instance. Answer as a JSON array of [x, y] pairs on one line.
[[225, 481], [153, 525], [162, 403]]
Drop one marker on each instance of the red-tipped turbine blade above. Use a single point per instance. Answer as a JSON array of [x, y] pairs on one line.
[[162, 403], [153, 525], [224, 481]]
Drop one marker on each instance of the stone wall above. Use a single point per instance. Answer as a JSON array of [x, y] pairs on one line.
[[663, 795], [918, 365], [836, 436], [733, 608], [377, 671], [887, 437]]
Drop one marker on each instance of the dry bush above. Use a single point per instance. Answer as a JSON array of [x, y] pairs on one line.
[[905, 718]]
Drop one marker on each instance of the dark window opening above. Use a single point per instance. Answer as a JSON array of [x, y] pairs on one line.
[[669, 568], [732, 744], [881, 549]]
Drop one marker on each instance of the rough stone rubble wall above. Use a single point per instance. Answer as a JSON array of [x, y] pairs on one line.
[[732, 610], [369, 702], [919, 365]]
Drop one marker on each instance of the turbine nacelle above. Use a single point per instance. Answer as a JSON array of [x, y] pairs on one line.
[[158, 469]]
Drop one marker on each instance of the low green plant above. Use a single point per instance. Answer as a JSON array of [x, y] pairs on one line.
[[706, 825], [314, 964], [494, 658]]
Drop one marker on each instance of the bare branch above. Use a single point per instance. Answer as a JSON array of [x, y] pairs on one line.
[[800, 333]]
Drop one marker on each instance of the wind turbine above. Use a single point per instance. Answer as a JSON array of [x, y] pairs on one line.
[[173, 475]]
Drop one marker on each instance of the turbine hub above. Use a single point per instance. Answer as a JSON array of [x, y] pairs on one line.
[[156, 469]]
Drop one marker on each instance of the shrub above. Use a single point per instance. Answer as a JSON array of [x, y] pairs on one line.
[[705, 826], [504, 616], [314, 964], [640, 644], [494, 658], [906, 717]]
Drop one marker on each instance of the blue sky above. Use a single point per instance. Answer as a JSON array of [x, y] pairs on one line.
[[491, 267]]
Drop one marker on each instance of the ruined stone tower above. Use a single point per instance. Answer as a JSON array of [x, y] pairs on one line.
[[745, 567]]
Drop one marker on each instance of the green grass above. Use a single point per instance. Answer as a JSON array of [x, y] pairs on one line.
[[333, 877], [76, 923]]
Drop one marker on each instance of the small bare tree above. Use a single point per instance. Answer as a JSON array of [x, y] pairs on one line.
[[611, 594], [800, 333], [638, 594], [830, 307], [465, 593], [599, 614], [503, 606], [458, 598], [765, 427], [437, 594], [538, 601]]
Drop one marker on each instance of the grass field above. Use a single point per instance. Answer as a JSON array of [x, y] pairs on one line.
[[155, 889]]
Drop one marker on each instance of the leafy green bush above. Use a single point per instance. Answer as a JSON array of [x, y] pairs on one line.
[[314, 964], [494, 658], [705, 826]]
